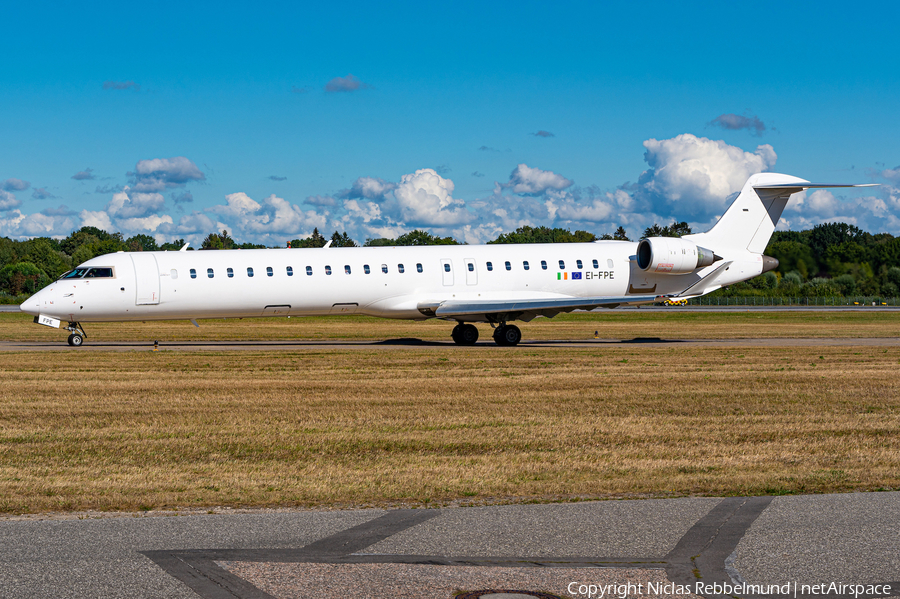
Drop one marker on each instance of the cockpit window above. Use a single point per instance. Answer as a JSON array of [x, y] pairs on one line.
[[101, 272], [75, 274]]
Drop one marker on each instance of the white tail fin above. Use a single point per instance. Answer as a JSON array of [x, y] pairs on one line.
[[751, 219]]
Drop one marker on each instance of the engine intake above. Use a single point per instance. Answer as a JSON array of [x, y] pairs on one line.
[[672, 255]]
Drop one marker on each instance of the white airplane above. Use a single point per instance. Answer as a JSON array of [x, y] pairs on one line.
[[495, 284]]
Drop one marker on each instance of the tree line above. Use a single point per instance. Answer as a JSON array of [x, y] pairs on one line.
[[829, 260]]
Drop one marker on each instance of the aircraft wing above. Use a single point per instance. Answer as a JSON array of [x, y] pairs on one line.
[[525, 310]]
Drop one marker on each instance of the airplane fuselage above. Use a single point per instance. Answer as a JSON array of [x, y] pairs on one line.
[[391, 282]]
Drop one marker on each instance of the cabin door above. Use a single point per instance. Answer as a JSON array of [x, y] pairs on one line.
[[146, 278], [471, 272], [447, 271]]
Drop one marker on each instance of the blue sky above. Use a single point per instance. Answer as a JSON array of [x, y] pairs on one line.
[[466, 119]]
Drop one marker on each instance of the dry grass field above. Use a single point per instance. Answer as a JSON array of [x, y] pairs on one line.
[[316, 426], [609, 324]]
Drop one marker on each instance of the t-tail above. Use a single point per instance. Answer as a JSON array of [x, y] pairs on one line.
[[751, 219]]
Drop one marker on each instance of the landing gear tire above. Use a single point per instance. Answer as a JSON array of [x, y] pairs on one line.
[[465, 334], [507, 334], [75, 340]]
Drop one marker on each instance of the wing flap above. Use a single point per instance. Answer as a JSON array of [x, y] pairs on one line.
[[526, 310]]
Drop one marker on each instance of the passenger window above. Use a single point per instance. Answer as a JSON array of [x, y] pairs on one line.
[[346, 269], [446, 268], [490, 266], [525, 264], [366, 268], [327, 270], [508, 265], [579, 264], [562, 264], [269, 272], [309, 271], [210, 273], [229, 272], [173, 273], [471, 267], [193, 273], [290, 271], [384, 268], [419, 267], [250, 271], [609, 262], [544, 264], [400, 268], [596, 264]]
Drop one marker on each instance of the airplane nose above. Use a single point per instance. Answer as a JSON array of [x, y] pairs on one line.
[[32, 305]]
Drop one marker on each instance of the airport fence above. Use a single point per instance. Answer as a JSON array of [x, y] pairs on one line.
[[752, 300]]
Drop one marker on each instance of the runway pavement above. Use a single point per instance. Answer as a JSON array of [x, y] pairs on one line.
[[845, 539], [401, 344]]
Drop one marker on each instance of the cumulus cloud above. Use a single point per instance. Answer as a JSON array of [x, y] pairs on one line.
[[14, 185], [321, 201], [8, 201], [350, 83], [182, 198], [85, 175], [543, 133], [41, 193], [735, 122], [693, 176], [121, 85], [96, 218], [426, 199], [106, 189], [161, 173], [533, 181], [197, 222], [892, 175], [370, 188], [273, 216], [130, 204], [62, 210]]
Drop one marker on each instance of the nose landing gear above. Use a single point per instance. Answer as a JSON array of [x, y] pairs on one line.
[[77, 336]]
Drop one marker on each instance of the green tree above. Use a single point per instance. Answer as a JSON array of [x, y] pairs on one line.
[[218, 241], [339, 240], [313, 241], [676, 229], [414, 237], [141, 243], [620, 235], [545, 235], [22, 277]]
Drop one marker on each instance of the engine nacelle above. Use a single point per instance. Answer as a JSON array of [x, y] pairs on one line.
[[672, 255]]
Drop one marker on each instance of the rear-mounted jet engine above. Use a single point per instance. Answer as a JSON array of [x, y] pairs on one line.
[[672, 255]]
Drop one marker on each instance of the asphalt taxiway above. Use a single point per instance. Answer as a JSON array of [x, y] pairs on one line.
[[849, 539]]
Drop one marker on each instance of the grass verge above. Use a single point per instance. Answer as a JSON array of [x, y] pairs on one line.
[[369, 426]]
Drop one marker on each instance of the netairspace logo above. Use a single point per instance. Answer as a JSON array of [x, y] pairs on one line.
[[624, 590]]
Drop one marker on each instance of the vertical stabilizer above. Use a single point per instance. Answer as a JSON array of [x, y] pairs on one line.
[[751, 219]]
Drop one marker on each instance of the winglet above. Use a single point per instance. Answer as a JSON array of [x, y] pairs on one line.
[[185, 247], [327, 245]]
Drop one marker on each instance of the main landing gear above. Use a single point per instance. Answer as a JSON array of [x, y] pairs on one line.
[[507, 334], [464, 334], [77, 334], [504, 334]]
